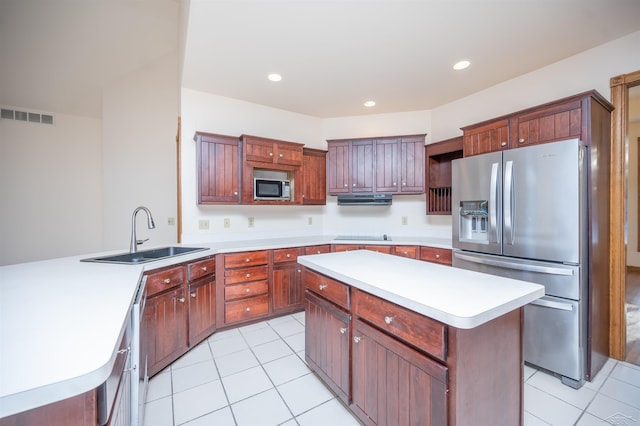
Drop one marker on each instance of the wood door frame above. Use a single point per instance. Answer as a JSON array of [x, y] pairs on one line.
[[618, 259]]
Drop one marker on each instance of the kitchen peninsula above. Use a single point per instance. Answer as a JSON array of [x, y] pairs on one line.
[[408, 342]]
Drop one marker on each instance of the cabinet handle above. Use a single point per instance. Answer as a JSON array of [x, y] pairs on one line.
[[248, 309], [354, 185], [345, 185], [281, 155], [193, 295], [167, 280], [204, 269], [356, 339], [437, 256], [181, 299], [247, 290], [248, 275], [123, 351], [388, 319], [503, 144], [288, 255], [323, 286], [521, 140], [271, 154], [248, 260], [343, 330], [235, 192], [299, 270]]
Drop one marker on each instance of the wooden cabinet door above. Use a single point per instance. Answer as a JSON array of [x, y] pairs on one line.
[[489, 137], [339, 167], [202, 309], [314, 177], [164, 329], [327, 330], [548, 124], [289, 154], [412, 165], [218, 160], [387, 159], [393, 384], [287, 287], [362, 166]]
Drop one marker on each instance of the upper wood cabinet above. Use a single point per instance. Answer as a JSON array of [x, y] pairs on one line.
[[554, 121], [271, 151], [392, 165], [314, 176], [218, 164]]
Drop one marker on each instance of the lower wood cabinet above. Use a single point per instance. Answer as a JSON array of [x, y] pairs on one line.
[[164, 329], [202, 309], [327, 343], [394, 384]]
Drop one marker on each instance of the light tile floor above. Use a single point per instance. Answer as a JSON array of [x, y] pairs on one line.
[[256, 376]]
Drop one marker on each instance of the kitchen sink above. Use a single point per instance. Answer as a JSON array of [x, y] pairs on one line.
[[144, 255]]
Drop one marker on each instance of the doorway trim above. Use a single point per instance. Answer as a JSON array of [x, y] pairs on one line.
[[618, 259]]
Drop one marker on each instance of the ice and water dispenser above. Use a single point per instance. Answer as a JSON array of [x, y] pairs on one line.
[[474, 221]]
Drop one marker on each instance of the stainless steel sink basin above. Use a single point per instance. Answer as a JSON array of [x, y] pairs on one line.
[[144, 255]]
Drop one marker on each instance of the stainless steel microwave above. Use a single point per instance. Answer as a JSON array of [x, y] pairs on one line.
[[271, 189]]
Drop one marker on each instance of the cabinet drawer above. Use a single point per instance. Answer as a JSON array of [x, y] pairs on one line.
[[287, 255], [379, 249], [328, 288], [326, 248], [240, 260], [242, 275], [422, 332], [238, 291], [164, 280], [201, 268], [346, 247], [437, 255], [406, 251], [244, 309]]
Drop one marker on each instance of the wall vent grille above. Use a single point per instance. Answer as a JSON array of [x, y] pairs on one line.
[[31, 117]]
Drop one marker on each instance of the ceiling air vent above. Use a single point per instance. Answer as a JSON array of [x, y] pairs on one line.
[[31, 117]]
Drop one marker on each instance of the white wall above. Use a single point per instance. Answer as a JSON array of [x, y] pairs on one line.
[[51, 188], [140, 121]]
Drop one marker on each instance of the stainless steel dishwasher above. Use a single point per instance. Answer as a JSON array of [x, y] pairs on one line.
[[139, 376]]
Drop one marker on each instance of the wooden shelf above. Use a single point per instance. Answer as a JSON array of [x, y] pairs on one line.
[[439, 156]]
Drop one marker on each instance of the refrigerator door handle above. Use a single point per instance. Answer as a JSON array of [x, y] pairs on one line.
[[508, 202], [493, 204], [552, 305], [517, 266]]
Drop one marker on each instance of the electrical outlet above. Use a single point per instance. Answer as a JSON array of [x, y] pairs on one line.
[[405, 220], [309, 220], [203, 224], [227, 222], [251, 222], [171, 221]]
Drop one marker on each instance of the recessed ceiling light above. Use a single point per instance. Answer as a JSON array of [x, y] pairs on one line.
[[274, 77], [369, 104], [461, 65]]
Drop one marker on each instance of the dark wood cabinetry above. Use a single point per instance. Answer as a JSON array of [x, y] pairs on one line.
[[286, 281], [382, 165], [271, 151], [314, 177], [202, 300], [80, 410], [439, 156], [486, 137], [436, 255], [244, 295], [218, 164]]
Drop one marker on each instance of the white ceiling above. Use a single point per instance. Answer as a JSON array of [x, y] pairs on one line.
[[333, 55]]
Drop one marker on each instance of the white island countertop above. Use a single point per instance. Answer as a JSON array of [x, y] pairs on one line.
[[457, 297], [61, 320]]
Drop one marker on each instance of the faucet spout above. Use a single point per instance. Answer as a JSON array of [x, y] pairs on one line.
[[133, 247]]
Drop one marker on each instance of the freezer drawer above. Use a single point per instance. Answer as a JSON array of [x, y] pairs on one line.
[[558, 279], [552, 337]]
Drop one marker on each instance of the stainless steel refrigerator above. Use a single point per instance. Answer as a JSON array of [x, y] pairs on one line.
[[525, 213]]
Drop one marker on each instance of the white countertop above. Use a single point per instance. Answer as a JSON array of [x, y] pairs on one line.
[[456, 297], [61, 320]]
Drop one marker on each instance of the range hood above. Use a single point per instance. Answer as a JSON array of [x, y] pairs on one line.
[[364, 200]]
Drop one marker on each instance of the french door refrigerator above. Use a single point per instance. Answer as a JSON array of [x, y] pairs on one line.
[[524, 213]]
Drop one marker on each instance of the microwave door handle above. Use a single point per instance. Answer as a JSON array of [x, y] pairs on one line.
[[493, 204], [509, 207]]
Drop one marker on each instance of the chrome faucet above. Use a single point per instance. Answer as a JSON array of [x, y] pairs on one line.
[[133, 247]]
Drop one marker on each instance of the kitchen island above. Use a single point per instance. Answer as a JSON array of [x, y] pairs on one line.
[[408, 342]]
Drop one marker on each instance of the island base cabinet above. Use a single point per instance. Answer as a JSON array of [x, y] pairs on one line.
[[327, 334], [80, 410], [393, 384]]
